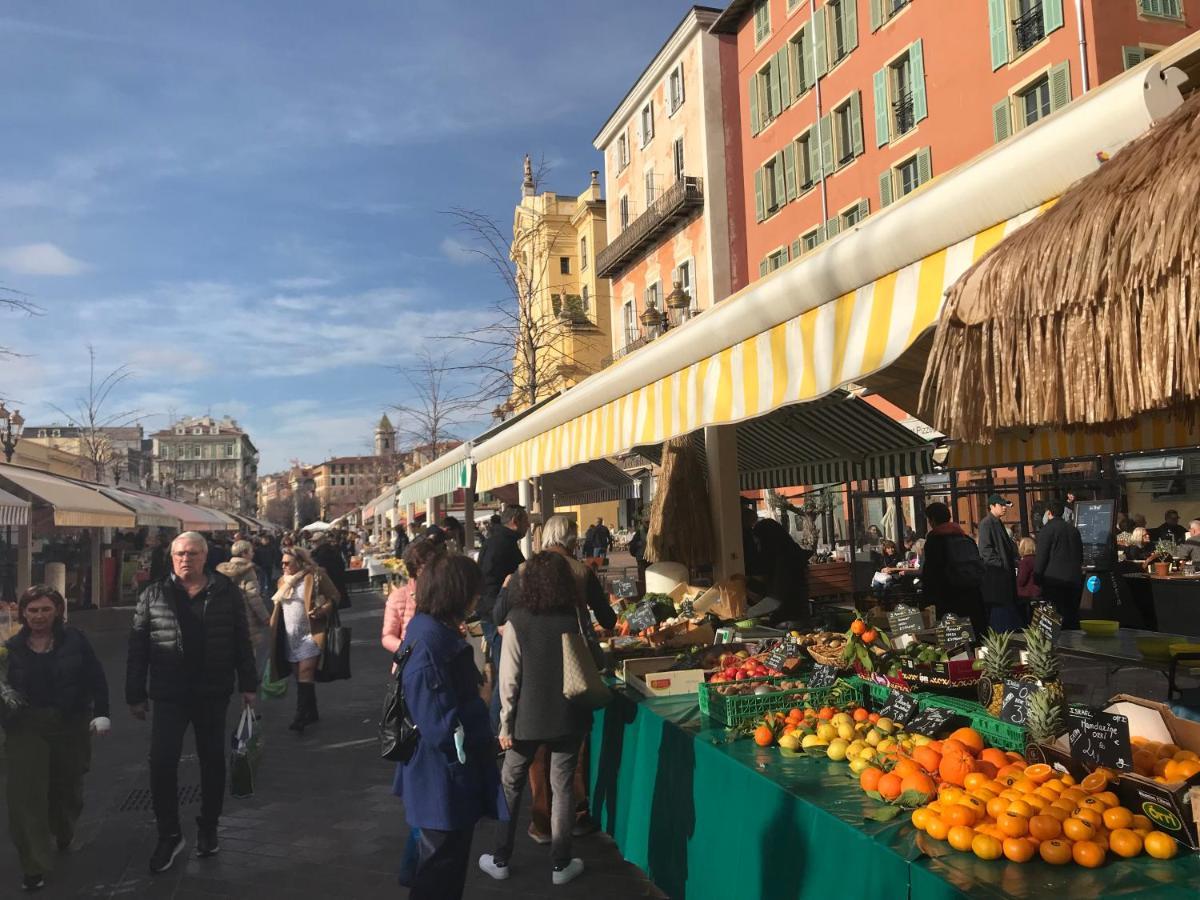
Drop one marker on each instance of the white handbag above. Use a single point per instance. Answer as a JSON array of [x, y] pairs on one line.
[[582, 683]]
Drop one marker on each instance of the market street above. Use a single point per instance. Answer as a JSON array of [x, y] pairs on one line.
[[322, 824]]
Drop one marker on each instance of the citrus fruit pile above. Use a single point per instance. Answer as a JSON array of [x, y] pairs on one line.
[[1165, 763], [1027, 812]]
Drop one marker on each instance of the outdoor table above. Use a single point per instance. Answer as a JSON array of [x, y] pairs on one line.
[[707, 817], [1119, 651], [1176, 600]]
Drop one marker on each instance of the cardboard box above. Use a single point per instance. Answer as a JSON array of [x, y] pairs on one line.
[[682, 634], [651, 676]]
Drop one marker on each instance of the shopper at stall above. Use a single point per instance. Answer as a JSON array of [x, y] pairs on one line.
[[602, 539], [952, 573], [242, 572], [190, 638], [1170, 529], [400, 544], [534, 711], [57, 677], [1189, 550], [305, 598], [499, 558], [455, 533], [1059, 567], [1028, 591], [451, 781], [328, 556], [999, 555], [783, 565], [402, 600]]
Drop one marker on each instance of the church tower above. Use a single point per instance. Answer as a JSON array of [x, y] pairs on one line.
[[385, 437]]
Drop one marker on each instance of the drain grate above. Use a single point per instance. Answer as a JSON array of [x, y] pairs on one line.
[[139, 799]]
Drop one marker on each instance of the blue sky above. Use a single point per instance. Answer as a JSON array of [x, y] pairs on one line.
[[242, 200]]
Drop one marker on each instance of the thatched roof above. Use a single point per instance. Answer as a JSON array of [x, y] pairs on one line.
[[1090, 314], [680, 520]]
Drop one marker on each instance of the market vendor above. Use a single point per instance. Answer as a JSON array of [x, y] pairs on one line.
[[782, 571]]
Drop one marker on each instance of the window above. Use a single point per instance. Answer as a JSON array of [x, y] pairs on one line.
[[675, 89], [770, 90], [884, 10], [1167, 9], [1015, 26], [630, 322], [651, 191], [647, 123], [624, 207], [653, 295], [677, 158], [762, 20], [808, 164], [770, 186], [801, 61], [1034, 101], [583, 259], [811, 240], [683, 275], [1132, 56], [900, 99], [908, 177], [622, 151], [905, 177], [846, 128], [901, 92], [584, 298], [855, 214], [564, 265], [777, 259], [842, 28]]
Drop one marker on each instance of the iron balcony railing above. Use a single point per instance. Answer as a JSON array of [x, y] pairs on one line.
[[1028, 28], [674, 204], [633, 341], [902, 108], [894, 6]]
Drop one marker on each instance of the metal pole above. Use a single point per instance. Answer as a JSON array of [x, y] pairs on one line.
[[1083, 61]]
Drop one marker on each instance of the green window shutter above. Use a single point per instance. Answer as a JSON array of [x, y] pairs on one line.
[[755, 122], [826, 126], [763, 268], [776, 103], [864, 209], [820, 234], [924, 166], [885, 188], [850, 11], [785, 76], [784, 255], [814, 157], [760, 209], [1002, 120], [1060, 85], [1132, 56], [796, 248], [807, 58], [819, 57], [1052, 15], [876, 14], [795, 76], [832, 227], [780, 182], [916, 60], [998, 30], [856, 126], [789, 169], [883, 113]]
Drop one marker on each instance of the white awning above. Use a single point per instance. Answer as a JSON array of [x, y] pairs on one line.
[[13, 510], [75, 505]]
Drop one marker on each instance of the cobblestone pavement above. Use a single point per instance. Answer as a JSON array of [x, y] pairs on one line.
[[323, 822]]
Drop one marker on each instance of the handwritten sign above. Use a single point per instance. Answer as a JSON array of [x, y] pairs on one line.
[[643, 616], [1014, 705], [905, 620], [687, 609], [935, 721], [954, 632], [1099, 738], [1048, 621], [624, 589], [901, 706], [823, 676]]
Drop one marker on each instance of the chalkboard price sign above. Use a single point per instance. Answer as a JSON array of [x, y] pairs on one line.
[[624, 589], [901, 706], [687, 609], [905, 620], [1047, 620], [1099, 738], [643, 616], [1014, 705], [935, 722], [1094, 519], [954, 632], [823, 676]]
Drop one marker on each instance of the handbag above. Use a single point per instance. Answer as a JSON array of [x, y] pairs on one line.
[[398, 734], [334, 664], [582, 683], [269, 686], [245, 756]]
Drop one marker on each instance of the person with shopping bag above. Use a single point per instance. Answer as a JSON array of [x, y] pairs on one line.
[[57, 698], [450, 781], [305, 603]]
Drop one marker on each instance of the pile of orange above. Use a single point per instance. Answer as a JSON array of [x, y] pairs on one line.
[[1034, 811], [1165, 763]]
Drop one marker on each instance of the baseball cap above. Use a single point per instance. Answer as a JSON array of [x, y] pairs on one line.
[[996, 498]]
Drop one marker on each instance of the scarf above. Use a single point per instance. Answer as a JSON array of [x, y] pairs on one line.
[[288, 585]]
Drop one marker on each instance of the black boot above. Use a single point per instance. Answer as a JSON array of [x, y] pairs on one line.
[[313, 716], [301, 718]]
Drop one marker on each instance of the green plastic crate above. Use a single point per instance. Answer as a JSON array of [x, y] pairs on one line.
[[733, 710], [968, 708], [998, 734]]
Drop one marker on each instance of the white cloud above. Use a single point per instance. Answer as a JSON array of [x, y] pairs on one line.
[[303, 283], [458, 252], [40, 259]]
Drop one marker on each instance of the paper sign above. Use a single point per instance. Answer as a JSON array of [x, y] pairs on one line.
[[1099, 738]]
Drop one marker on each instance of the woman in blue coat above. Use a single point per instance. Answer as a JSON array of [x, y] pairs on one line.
[[451, 781]]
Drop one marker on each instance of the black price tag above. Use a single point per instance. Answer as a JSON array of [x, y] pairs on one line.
[[905, 620], [643, 616], [901, 706], [935, 721], [777, 659], [1048, 621], [687, 609], [954, 632], [1014, 705], [1099, 738], [823, 676], [624, 589]]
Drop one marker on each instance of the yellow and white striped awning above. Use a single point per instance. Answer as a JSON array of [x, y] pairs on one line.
[[801, 359]]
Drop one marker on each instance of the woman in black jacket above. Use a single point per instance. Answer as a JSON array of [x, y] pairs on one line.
[[58, 699]]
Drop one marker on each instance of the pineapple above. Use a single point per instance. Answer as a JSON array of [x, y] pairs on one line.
[[1044, 717], [1043, 663], [997, 665]]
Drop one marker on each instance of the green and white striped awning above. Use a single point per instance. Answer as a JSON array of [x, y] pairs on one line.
[[444, 475]]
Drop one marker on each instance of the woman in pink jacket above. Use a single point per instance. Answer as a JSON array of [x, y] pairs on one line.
[[402, 601]]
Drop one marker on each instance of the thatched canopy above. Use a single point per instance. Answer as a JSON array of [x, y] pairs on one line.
[[1090, 314], [680, 519]]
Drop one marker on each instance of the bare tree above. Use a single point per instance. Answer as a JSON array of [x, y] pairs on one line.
[[93, 419], [439, 403], [16, 302]]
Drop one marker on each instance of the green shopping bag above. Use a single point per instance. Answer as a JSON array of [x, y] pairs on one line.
[[269, 687], [245, 755]]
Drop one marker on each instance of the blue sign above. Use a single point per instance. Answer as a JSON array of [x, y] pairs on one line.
[[1093, 584]]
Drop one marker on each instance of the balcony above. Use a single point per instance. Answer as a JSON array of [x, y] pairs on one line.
[[1028, 28], [674, 205], [902, 110], [633, 340]]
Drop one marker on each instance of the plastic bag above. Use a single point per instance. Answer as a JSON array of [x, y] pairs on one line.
[[245, 756], [269, 687]]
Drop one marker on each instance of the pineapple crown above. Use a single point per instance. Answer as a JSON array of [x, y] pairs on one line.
[[998, 661]]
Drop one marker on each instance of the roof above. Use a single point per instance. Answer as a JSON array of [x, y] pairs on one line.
[[385, 424], [731, 19]]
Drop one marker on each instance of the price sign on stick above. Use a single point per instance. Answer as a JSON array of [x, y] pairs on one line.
[[935, 721], [823, 676], [1015, 702], [1047, 620], [642, 617], [624, 589], [1099, 738], [905, 620], [901, 706], [954, 632]]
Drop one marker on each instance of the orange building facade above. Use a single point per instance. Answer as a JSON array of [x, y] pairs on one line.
[[847, 105]]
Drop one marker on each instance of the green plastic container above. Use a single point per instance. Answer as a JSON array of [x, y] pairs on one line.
[[997, 734], [733, 710]]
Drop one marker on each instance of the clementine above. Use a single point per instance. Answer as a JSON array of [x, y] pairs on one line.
[[869, 779], [1019, 850], [1160, 845], [1095, 782], [1056, 852], [1044, 827], [1088, 854], [764, 736], [961, 837], [974, 781], [937, 828], [987, 847], [997, 806], [969, 738], [919, 782], [1088, 815], [920, 816], [1077, 829], [1142, 822], [1124, 842], [927, 758], [1039, 773], [1116, 817], [889, 786], [959, 815], [1020, 808], [1013, 824], [994, 756]]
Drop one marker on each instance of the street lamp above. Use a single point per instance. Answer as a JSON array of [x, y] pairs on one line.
[[11, 426], [679, 304], [652, 321]]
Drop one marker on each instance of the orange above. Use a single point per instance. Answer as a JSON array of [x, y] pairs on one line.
[[919, 782], [1013, 825], [1187, 768], [1093, 802], [869, 779], [858, 626], [1094, 783], [1035, 802], [995, 757], [1073, 794], [795, 713], [974, 781], [1088, 815], [889, 786], [984, 794], [1058, 813], [1143, 761], [1124, 842], [1015, 757], [1187, 755], [1056, 785], [986, 768], [1046, 794], [949, 745], [959, 815], [1065, 805], [1168, 750], [1012, 794], [970, 738], [920, 816], [764, 736], [906, 767], [1142, 822], [1024, 785], [1077, 829], [1039, 773], [1108, 798], [975, 803], [1045, 828], [1088, 854], [1067, 778], [987, 847], [1020, 850], [1020, 808], [936, 828], [1160, 845], [927, 759], [861, 714], [997, 806], [960, 837], [1055, 852], [1117, 817]]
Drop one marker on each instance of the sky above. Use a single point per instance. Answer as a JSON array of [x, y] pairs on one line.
[[245, 202]]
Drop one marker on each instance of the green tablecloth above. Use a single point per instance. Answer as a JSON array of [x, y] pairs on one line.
[[709, 818]]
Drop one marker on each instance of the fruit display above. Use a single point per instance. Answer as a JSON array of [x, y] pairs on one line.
[[864, 645], [996, 665], [1165, 763]]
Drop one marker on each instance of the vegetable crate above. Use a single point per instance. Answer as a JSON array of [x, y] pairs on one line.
[[1000, 734], [734, 709]]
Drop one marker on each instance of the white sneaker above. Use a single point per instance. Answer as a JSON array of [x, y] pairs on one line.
[[569, 872], [487, 862]]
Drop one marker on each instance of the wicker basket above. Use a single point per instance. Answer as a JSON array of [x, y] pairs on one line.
[[825, 659]]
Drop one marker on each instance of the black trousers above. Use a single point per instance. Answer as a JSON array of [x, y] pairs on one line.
[[443, 858], [1065, 598], [170, 723]]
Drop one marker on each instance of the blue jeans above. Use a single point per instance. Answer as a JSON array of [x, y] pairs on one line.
[[493, 638]]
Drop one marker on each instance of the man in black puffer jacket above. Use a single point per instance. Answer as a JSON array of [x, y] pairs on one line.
[[190, 637]]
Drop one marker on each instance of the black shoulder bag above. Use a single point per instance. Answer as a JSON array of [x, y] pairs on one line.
[[398, 735]]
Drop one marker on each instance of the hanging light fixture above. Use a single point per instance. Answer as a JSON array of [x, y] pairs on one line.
[[652, 321], [679, 304]]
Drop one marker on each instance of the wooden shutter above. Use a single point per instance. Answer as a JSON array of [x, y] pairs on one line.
[[814, 156], [762, 268], [1060, 85], [795, 76], [780, 183], [820, 234], [785, 76], [885, 188], [833, 226], [924, 166], [876, 14], [864, 208], [916, 61], [776, 105], [826, 127], [850, 23], [1002, 120], [806, 57], [796, 246], [760, 209], [883, 111], [998, 31], [856, 126], [789, 169], [1052, 15], [755, 122], [819, 58], [1132, 56]]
